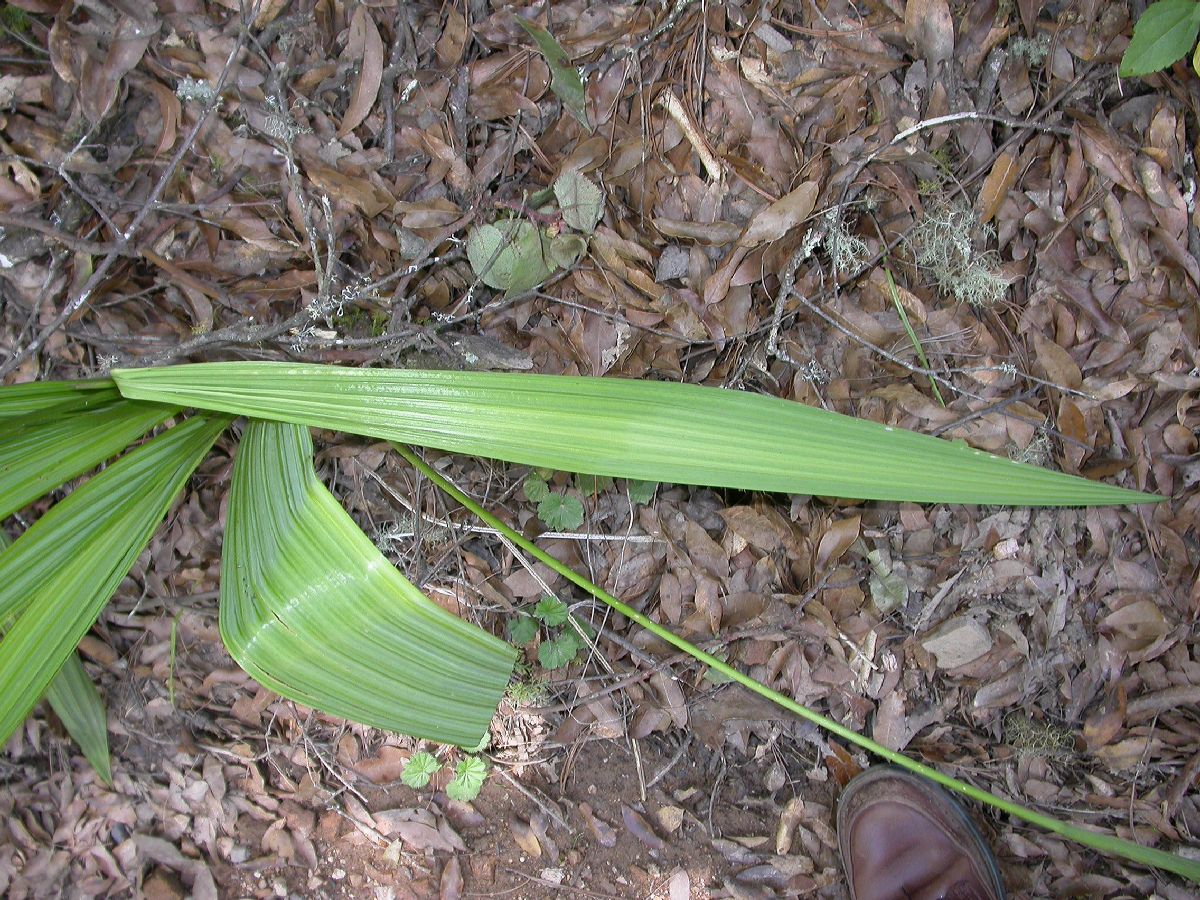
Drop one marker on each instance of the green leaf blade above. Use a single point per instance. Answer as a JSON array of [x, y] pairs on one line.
[[78, 704], [60, 573], [44, 449], [564, 80], [651, 431], [1165, 33], [313, 611]]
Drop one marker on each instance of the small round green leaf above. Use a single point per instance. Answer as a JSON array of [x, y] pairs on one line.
[[491, 256], [551, 611], [535, 488], [468, 779], [522, 629], [560, 511], [559, 652], [420, 767]]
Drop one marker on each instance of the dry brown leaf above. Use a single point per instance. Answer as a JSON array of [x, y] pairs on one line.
[[100, 79], [836, 540], [524, 836], [1055, 364], [997, 185], [930, 29], [890, 728], [960, 641], [605, 834], [364, 44], [169, 110], [776, 220], [640, 828]]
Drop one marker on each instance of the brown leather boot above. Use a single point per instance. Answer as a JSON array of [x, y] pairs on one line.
[[902, 837]]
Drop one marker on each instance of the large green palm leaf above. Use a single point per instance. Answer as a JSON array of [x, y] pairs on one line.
[[607, 426]]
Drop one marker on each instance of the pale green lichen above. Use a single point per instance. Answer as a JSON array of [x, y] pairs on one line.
[[943, 244]]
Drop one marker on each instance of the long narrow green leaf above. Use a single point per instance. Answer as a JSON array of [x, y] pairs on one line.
[[652, 431], [45, 448], [311, 609], [1105, 843], [31, 396], [59, 574], [78, 705]]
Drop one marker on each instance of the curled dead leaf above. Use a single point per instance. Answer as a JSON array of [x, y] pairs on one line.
[[364, 44]]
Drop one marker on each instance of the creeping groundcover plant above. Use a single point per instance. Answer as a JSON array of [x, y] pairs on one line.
[[312, 610]]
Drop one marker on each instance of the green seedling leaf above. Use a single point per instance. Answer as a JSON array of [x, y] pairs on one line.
[[420, 767], [468, 779], [560, 651], [560, 512], [566, 250], [581, 202], [535, 488], [593, 484], [564, 80], [551, 611], [522, 629], [1165, 33], [641, 491]]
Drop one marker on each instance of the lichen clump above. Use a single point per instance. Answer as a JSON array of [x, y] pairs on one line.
[[943, 243]]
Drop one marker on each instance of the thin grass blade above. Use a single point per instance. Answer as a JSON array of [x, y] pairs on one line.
[[1105, 843], [651, 431], [59, 574], [312, 609]]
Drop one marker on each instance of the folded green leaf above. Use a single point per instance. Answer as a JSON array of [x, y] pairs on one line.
[[45, 448], [312, 610], [653, 431], [564, 79], [59, 574]]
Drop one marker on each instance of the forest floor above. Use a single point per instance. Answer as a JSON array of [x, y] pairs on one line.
[[1041, 244]]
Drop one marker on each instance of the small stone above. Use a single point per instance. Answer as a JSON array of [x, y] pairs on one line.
[[337, 874], [670, 818]]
